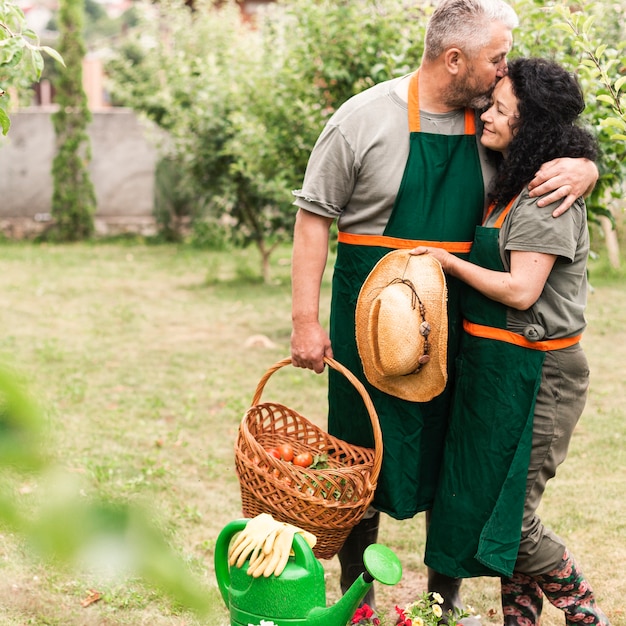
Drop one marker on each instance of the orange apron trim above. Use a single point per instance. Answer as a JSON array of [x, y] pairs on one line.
[[414, 110], [470, 122], [499, 334], [384, 241], [498, 223]]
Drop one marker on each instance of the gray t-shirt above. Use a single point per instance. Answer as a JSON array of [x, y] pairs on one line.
[[356, 167], [561, 305]]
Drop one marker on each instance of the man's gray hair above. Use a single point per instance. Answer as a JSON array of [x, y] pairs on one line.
[[465, 24]]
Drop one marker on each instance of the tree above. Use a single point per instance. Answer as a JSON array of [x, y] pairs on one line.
[[73, 197], [244, 105], [310, 58]]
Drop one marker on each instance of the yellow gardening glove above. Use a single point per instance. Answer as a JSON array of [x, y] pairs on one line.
[[310, 538], [250, 542], [276, 551]]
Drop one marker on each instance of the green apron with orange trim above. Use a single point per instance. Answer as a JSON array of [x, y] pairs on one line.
[[440, 202], [476, 520]]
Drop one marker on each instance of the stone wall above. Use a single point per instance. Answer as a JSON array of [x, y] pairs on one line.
[[124, 156]]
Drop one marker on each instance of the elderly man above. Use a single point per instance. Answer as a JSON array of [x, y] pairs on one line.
[[398, 165]]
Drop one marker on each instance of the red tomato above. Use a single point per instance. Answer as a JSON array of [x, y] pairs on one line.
[[275, 452], [286, 451], [303, 460]]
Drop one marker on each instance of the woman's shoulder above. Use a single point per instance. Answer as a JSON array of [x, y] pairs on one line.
[[524, 201]]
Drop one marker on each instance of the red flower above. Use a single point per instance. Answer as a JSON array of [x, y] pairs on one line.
[[403, 620], [365, 612]]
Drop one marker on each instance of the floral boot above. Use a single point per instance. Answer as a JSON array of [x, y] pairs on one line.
[[567, 589], [522, 600]]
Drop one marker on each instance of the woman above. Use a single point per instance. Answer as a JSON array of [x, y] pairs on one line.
[[522, 376]]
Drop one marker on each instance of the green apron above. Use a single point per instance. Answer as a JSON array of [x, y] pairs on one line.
[[440, 201], [476, 521]]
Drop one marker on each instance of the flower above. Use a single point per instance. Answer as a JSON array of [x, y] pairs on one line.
[[365, 616], [403, 620], [427, 611]]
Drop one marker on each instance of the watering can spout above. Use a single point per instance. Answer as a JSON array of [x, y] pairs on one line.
[[381, 565]]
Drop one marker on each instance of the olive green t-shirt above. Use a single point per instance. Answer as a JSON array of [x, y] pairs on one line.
[[355, 169], [527, 227]]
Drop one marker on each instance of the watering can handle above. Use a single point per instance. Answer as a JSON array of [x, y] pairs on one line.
[[222, 569], [303, 553]]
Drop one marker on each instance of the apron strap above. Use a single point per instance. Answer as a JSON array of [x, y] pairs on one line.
[[384, 241], [414, 109], [470, 122], [498, 223], [499, 334]]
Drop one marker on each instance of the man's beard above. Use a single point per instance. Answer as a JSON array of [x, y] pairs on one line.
[[466, 94]]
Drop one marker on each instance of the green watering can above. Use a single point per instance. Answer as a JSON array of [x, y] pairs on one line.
[[298, 596]]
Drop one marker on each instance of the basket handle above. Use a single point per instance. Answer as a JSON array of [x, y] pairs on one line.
[[369, 405]]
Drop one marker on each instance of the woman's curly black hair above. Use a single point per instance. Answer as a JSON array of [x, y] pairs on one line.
[[549, 103]]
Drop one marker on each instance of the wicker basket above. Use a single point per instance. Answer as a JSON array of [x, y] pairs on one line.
[[326, 502]]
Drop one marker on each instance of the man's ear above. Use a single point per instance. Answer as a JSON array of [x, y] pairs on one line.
[[453, 59]]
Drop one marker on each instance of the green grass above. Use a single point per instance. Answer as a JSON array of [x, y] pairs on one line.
[[140, 358]]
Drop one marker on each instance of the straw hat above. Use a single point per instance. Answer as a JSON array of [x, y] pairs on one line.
[[402, 326]]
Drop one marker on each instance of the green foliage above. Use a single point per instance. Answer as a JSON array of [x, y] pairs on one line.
[[20, 427], [114, 537], [73, 198], [589, 39], [172, 201], [98, 25], [21, 59], [602, 68], [180, 76], [245, 105], [344, 47]]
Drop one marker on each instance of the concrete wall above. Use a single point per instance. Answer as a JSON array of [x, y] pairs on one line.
[[124, 156]]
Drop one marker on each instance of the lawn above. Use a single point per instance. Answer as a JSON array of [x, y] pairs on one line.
[[144, 359]]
